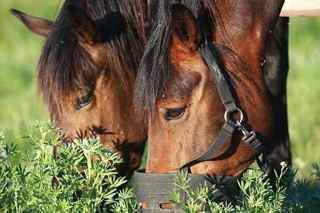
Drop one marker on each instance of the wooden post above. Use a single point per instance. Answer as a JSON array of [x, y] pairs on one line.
[[301, 8]]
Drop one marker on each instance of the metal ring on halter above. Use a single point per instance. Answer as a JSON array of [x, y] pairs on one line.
[[228, 118]]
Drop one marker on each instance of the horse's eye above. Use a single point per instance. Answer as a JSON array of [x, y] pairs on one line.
[[174, 113], [85, 100]]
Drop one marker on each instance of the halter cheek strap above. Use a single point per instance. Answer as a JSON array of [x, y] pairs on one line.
[[210, 55]]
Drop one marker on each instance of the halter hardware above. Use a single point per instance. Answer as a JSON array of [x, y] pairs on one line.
[[248, 135], [228, 115]]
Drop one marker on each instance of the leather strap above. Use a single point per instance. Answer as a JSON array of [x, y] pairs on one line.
[[210, 56], [215, 148]]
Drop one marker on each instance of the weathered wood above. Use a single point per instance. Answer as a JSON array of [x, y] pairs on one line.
[[301, 8]]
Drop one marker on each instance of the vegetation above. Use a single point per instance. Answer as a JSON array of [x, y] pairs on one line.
[[303, 92], [52, 177], [82, 177], [19, 52], [256, 194]]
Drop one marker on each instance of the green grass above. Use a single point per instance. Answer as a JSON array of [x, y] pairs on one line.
[[304, 91], [21, 106], [19, 52]]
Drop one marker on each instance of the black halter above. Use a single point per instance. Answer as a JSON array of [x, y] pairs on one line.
[[154, 189]]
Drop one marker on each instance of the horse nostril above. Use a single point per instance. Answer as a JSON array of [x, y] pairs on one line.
[[101, 131], [66, 140]]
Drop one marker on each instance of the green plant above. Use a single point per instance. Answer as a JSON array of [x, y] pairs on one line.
[[197, 198], [51, 177], [256, 194], [82, 177]]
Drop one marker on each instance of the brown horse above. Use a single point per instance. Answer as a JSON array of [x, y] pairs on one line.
[[179, 92], [87, 71]]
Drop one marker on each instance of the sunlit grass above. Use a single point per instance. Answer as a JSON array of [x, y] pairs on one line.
[[304, 91], [19, 52]]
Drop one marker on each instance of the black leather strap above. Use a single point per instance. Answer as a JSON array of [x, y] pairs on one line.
[[210, 56], [225, 133]]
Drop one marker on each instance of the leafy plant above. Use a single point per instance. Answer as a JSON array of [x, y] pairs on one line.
[[51, 177], [82, 177], [256, 194]]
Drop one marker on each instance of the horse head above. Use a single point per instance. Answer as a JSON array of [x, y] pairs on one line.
[[87, 70]]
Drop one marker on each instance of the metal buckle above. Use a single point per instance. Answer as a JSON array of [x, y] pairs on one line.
[[248, 136], [228, 118]]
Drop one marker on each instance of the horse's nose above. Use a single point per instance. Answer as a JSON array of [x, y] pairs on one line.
[[102, 131], [66, 140], [108, 141]]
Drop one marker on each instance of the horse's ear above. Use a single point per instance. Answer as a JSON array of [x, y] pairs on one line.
[[39, 26], [184, 27], [82, 24]]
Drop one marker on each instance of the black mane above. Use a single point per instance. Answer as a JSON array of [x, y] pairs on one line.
[[65, 67], [155, 67]]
